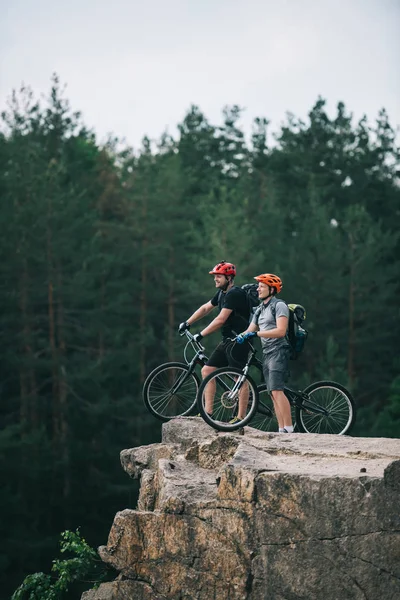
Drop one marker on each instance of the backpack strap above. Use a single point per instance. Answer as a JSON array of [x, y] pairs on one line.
[[257, 312], [290, 329], [273, 306], [235, 312], [220, 300]]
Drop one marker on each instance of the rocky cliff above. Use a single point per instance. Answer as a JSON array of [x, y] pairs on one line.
[[257, 516]]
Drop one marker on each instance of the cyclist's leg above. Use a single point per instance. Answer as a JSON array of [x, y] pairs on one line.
[[209, 392], [282, 407], [278, 413], [237, 357], [217, 359], [276, 373]]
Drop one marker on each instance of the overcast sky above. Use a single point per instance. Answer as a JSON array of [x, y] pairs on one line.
[[134, 67]]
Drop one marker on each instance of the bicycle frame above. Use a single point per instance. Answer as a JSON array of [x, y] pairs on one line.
[[300, 399]]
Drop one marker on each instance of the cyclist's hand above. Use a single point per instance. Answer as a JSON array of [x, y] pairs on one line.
[[242, 337], [198, 337], [183, 327], [249, 335]]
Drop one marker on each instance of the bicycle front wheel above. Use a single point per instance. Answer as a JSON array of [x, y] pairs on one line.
[[327, 407], [227, 399], [170, 391]]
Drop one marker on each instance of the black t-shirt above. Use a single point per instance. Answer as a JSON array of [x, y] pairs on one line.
[[236, 300]]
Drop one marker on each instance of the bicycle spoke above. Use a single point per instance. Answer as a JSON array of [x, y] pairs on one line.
[[264, 419], [170, 391], [329, 408], [231, 397]]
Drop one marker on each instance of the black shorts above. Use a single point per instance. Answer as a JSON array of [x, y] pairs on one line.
[[229, 354], [276, 369]]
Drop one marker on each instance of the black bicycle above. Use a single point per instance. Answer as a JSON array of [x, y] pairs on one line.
[[322, 407]]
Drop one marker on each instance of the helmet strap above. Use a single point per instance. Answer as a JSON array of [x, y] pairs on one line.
[[227, 284], [225, 287]]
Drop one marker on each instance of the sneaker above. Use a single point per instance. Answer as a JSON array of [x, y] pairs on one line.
[[235, 420]]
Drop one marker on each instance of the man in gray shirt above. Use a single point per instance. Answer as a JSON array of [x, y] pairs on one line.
[[270, 323]]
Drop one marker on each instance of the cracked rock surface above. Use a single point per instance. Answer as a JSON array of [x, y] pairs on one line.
[[259, 516]]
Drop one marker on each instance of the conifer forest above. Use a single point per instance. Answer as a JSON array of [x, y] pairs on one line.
[[105, 249]]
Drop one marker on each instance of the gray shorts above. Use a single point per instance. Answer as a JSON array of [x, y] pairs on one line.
[[276, 369]]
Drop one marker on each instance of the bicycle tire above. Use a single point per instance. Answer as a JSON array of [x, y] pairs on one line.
[[334, 398], [157, 388], [225, 407]]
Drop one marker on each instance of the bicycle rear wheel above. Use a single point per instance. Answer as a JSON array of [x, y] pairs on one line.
[[328, 408], [170, 391], [231, 386]]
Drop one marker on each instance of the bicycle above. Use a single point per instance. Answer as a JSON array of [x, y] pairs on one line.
[[322, 407]]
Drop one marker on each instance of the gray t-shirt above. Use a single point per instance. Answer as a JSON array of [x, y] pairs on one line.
[[264, 318]]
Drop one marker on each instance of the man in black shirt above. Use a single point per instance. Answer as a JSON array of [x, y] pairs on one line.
[[233, 314]]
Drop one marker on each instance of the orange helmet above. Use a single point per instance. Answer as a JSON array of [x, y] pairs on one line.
[[224, 268], [271, 280]]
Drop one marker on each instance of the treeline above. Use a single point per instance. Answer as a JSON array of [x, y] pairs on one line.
[[104, 251]]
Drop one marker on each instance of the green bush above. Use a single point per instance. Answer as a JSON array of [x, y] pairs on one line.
[[83, 563]]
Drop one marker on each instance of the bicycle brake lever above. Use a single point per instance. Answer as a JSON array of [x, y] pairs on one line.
[[191, 339]]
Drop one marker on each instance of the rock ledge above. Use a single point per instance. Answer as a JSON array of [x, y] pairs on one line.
[[256, 517]]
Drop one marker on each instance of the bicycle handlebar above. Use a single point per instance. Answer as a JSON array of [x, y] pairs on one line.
[[191, 339], [233, 340]]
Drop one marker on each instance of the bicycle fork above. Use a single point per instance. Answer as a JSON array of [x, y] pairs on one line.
[[179, 382]]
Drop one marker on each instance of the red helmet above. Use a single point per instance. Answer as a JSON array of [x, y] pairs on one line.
[[224, 268], [271, 280]]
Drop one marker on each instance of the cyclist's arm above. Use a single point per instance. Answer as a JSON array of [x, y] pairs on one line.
[[252, 327], [278, 332], [201, 312], [217, 322]]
